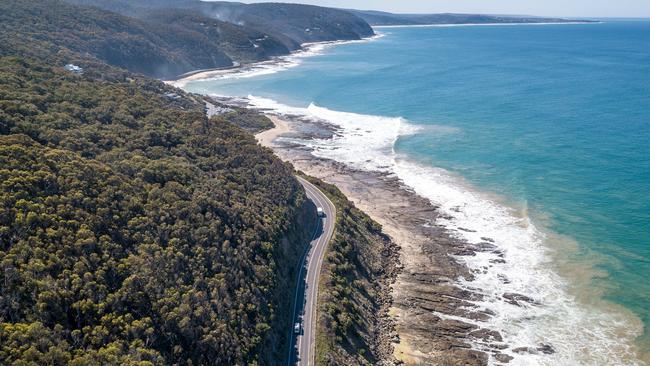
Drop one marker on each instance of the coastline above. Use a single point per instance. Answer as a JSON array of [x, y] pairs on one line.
[[479, 24], [441, 311], [272, 65], [429, 310], [408, 217]]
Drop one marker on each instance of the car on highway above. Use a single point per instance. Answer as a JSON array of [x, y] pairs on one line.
[[320, 212], [297, 328]]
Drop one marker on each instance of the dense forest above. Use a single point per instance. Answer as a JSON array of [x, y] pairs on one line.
[[169, 44], [293, 24], [134, 230], [166, 42], [361, 264]]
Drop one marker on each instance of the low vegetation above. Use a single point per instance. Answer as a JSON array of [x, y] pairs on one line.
[[353, 297], [247, 119]]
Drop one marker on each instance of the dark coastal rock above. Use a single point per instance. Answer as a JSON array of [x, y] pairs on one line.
[[497, 346], [487, 335], [524, 350], [428, 305], [516, 299], [503, 279], [485, 247], [544, 348], [503, 358], [487, 239], [466, 230], [464, 252]]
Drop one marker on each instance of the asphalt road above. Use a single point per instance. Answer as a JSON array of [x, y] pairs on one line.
[[302, 346]]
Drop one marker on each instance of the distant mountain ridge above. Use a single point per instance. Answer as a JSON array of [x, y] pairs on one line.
[[379, 18]]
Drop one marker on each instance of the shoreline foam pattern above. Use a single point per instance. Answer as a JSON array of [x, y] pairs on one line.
[[521, 265], [272, 66]]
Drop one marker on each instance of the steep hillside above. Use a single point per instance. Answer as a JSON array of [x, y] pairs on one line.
[[301, 23], [159, 51], [134, 230], [384, 18], [240, 44], [292, 24]]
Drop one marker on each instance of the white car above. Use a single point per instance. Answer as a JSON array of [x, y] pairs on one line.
[[297, 328], [320, 212]]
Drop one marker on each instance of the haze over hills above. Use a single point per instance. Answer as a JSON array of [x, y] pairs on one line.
[[293, 24], [378, 18], [150, 38]]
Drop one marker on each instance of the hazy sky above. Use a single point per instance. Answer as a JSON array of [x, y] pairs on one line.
[[568, 8]]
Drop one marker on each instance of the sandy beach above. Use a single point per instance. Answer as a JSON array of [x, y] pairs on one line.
[[428, 309], [268, 137]]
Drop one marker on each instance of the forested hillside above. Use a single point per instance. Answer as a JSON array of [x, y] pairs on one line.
[[157, 40], [133, 230], [292, 24], [52, 25]]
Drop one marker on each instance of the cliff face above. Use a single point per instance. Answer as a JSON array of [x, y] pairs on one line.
[[294, 23], [243, 32], [45, 27], [153, 39]]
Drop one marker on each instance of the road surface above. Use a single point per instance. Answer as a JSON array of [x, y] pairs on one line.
[[302, 346]]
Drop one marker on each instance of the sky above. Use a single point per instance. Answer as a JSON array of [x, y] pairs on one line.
[[565, 8]]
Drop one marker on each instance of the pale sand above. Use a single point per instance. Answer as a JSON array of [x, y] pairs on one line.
[[267, 138]]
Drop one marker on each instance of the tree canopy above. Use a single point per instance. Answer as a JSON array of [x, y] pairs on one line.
[[133, 230]]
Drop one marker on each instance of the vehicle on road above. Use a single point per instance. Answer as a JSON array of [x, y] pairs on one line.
[[320, 212], [297, 328]]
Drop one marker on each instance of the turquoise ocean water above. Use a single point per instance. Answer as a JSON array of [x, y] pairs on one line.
[[535, 136]]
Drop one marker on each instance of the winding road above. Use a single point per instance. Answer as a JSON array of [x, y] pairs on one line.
[[302, 346]]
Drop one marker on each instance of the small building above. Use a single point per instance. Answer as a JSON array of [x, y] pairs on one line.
[[173, 96], [73, 68]]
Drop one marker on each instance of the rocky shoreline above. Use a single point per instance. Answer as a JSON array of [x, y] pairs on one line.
[[430, 320]]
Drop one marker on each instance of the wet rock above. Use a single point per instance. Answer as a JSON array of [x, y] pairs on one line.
[[465, 252], [485, 247], [466, 230], [503, 358], [487, 335], [517, 299], [487, 239], [524, 350], [499, 346], [546, 349], [503, 279], [428, 307]]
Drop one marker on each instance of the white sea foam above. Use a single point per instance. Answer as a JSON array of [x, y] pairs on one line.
[[580, 334]]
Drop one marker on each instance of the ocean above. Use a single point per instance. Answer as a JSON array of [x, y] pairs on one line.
[[536, 136]]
